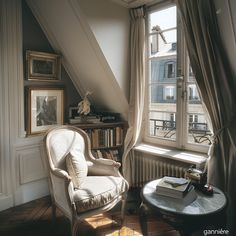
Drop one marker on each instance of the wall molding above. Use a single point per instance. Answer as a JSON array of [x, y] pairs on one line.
[[31, 166]]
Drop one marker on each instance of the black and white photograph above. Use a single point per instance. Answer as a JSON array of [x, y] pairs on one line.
[[45, 109]]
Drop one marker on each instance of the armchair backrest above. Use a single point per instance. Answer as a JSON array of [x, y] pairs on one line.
[[60, 141]]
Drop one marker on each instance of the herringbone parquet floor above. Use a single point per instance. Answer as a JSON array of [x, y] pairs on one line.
[[34, 219]]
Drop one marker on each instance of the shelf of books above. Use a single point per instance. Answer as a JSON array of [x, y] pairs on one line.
[[107, 139]]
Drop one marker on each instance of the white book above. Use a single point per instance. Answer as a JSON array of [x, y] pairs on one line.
[[173, 186], [187, 199]]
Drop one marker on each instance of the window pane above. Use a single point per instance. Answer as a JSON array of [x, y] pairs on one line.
[[162, 80], [165, 19], [162, 124], [193, 95], [170, 36], [163, 43], [198, 130]]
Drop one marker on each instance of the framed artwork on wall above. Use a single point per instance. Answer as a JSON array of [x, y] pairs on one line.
[[43, 66], [45, 109]]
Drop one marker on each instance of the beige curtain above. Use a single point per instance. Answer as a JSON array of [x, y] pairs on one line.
[[217, 84], [137, 87]]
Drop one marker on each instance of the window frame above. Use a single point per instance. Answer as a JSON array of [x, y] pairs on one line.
[[183, 78]]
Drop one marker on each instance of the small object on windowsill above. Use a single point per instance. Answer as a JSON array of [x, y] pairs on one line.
[[196, 176]]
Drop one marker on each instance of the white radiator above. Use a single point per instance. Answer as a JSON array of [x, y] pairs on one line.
[[145, 169]]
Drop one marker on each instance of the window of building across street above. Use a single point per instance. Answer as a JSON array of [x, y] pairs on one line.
[[175, 114]]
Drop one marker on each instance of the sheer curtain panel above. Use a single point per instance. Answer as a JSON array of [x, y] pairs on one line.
[[137, 86]]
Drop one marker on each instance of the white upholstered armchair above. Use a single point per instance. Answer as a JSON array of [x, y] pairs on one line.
[[80, 185]]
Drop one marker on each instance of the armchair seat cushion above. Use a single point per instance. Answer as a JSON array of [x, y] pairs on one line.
[[97, 191]]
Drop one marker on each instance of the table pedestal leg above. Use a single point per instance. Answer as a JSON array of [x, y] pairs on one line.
[[143, 214]]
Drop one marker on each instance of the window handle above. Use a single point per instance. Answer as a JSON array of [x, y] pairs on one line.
[[184, 95]]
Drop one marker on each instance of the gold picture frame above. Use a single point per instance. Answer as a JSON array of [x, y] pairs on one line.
[[43, 66], [45, 109]]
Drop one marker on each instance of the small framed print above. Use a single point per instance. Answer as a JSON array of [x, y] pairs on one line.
[[73, 112], [45, 109], [43, 66]]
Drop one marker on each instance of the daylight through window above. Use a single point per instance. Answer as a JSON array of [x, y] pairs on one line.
[[175, 112]]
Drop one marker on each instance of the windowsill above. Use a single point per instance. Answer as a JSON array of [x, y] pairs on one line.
[[193, 158]]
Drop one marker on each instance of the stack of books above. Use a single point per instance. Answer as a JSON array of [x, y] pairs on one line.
[[85, 119], [179, 189], [112, 154]]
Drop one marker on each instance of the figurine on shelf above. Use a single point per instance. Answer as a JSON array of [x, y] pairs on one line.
[[84, 105]]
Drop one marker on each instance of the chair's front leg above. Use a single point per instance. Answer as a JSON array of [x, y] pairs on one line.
[[74, 227], [123, 207]]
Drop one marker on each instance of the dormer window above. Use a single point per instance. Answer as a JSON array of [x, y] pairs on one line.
[[170, 70]]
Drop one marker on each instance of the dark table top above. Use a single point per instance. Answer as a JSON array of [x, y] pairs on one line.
[[202, 205]]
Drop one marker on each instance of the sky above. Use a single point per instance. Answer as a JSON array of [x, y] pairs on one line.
[[166, 19]]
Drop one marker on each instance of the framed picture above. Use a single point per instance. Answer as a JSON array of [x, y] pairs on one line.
[[73, 112], [45, 109], [43, 66]]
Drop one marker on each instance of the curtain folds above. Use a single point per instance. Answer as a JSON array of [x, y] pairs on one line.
[[217, 85], [137, 86]]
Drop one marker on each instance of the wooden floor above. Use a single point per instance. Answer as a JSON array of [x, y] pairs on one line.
[[34, 219]]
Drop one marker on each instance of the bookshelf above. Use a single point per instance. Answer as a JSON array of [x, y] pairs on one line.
[[107, 139]]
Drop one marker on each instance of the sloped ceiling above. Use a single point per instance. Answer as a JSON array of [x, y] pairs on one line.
[[69, 33]]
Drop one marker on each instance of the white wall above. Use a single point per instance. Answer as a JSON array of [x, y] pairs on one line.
[[110, 24], [22, 175]]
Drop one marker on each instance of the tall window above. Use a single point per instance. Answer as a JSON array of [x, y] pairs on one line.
[[175, 113]]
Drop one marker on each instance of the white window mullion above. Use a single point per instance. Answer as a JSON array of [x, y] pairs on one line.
[[181, 88], [179, 113], [185, 97]]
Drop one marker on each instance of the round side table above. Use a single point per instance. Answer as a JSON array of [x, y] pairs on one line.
[[203, 212]]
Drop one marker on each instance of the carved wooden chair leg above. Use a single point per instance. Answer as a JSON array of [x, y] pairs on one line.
[[123, 207], [74, 227]]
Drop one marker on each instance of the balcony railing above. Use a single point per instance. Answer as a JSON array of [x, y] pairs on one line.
[[198, 131], [166, 125]]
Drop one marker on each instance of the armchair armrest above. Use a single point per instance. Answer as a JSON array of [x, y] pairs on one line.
[[108, 162], [61, 173], [103, 167], [62, 189]]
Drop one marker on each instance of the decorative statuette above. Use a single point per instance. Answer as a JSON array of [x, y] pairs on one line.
[[84, 105]]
